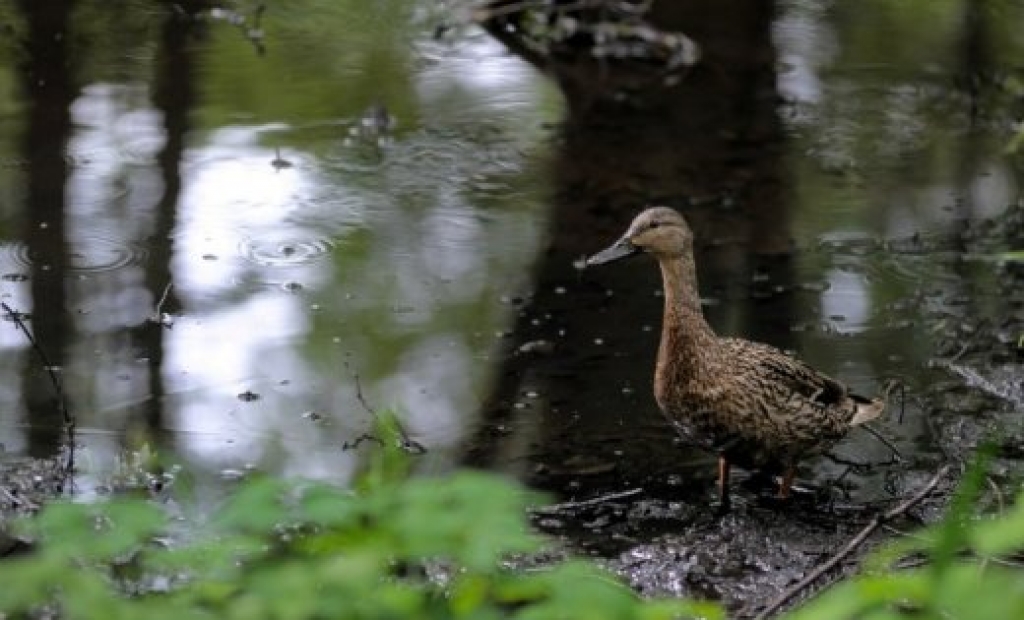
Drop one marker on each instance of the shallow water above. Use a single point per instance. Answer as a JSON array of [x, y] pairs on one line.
[[226, 232], [231, 255]]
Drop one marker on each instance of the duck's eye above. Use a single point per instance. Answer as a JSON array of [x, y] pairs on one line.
[[654, 225]]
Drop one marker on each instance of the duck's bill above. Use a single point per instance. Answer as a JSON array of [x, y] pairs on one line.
[[621, 249]]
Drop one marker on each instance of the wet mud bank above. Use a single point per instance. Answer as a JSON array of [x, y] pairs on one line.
[[26, 484]]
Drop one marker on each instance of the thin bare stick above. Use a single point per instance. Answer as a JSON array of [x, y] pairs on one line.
[[352, 445], [903, 401], [69, 421], [880, 519], [23, 502], [359, 393], [163, 298], [407, 443], [997, 493], [488, 13], [571, 506], [881, 438]]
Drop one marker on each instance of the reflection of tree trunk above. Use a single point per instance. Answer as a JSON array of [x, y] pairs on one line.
[[174, 96], [976, 55], [975, 68], [48, 85], [711, 147]]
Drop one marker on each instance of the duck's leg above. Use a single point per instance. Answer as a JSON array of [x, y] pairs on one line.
[[723, 484], [787, 481]]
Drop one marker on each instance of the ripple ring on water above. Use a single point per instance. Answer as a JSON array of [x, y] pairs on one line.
[[284, 252], [87, 254]]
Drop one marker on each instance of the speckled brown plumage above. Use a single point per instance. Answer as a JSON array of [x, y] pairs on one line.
[[749, 402]]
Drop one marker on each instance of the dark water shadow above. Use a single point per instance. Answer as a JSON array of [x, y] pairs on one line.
[[48, 84], [711, 147], [175, 96]]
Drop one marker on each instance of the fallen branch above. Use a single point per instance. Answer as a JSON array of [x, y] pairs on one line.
[[883, 440], [855, 542], [571, 506], [19, 502], [62, 403], [54, 379]]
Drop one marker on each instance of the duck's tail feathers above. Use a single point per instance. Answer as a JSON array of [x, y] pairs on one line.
[[867, 409], [870, 408]]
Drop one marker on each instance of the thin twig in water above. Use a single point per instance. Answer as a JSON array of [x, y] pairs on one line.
[[489, 13], [407, 443], [859, 466], [163, 298], [158, 316], [69, 421], [571, 506], [359, 393], [903, 401], [881, 438], [352, 445], [842, 476], [855, 542]]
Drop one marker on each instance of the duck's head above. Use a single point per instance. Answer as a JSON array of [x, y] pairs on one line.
[[659, 231]]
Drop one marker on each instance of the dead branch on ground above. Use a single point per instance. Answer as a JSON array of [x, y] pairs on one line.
[[855, 542]]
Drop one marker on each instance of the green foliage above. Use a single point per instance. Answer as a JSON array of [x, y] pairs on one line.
[[962, 572], [411, 548], [400, 547]]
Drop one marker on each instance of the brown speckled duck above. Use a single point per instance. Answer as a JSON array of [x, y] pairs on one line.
[[750, 403]]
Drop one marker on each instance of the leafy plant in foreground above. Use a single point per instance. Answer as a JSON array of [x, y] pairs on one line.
[[416, 548], [965, 570], [399, 547]]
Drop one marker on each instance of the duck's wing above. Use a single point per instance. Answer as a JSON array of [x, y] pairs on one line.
[[791, 377], [786, 373]]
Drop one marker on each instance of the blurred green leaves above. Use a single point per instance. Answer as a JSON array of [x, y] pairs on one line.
[[962, 567], [443, 547], [408, 548]]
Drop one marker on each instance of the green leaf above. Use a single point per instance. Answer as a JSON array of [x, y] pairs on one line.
[[1002, 535], [582, 591], [258, 507], [674, 610], [952, 534], [969, 590], [329, 506], [468, 594], [862, 594]]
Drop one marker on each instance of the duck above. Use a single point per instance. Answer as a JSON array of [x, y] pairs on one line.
[[750, 403]]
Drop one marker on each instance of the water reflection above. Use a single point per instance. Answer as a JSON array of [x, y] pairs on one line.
[[408, 211], [808, 182], [223, 302]]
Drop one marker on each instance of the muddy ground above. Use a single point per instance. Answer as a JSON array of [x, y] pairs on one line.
[[676, 546]]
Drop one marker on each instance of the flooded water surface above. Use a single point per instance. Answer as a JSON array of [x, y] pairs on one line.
[[234, 232], [243, 232]]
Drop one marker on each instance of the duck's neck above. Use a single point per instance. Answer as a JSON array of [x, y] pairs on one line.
[[686, 338]]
